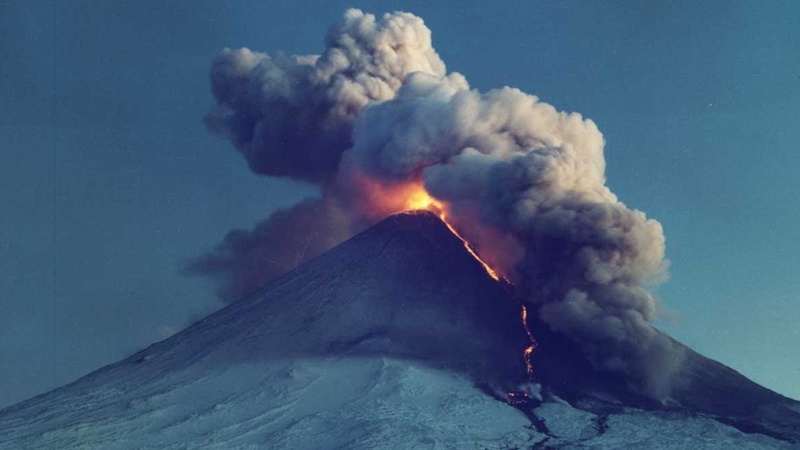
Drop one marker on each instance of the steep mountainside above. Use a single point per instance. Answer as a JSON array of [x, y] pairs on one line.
[[395, 339]]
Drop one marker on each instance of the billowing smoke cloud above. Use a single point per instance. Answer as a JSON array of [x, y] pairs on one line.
[[521, 181], [507, 161], [292, 116], [248, 259]]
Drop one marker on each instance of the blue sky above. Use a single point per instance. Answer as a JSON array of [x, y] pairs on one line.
[[108, 179]]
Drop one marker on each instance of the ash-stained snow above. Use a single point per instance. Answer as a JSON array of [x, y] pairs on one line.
[[571, 428]]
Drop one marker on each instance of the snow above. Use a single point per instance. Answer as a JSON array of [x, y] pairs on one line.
[[356, 403], [571, 428], [336, 403]]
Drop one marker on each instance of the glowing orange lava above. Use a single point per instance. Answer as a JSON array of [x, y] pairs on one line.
[[420, 199], [534, 344]]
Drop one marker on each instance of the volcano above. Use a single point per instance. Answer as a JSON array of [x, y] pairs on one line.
[[397, 338]]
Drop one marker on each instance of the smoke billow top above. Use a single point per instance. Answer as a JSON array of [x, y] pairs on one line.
[[377, 117]]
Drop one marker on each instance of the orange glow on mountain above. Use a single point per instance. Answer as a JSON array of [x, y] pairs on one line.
[[486, 267], [414, 198], [534, 344], [419, 199]]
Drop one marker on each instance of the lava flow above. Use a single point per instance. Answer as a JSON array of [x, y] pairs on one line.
[[530, 348], [421, 200]]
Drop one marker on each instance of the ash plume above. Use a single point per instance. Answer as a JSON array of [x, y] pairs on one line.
[[292, 116], [247, 259], [521, 181]]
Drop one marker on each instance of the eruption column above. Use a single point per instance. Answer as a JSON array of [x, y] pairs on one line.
[[380, 126]]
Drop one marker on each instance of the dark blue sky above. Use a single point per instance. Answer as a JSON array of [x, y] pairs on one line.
[[108, 179]]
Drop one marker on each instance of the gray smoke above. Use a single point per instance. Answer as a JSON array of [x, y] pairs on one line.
[[523, 182], [292, 116], [507, 161], [247, 259]]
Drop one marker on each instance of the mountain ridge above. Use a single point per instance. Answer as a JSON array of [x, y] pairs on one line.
[[404, 305]]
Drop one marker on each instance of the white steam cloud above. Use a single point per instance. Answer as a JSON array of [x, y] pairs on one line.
[[522, 181]]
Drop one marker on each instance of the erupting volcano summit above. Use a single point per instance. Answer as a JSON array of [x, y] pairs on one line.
[[380, 126]]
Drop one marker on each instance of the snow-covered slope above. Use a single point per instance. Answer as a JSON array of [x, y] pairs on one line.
[[395, 339], [335, 403]]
